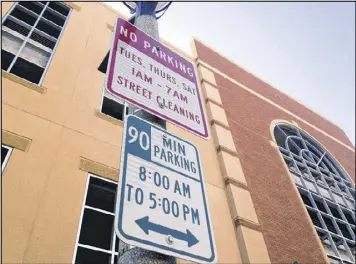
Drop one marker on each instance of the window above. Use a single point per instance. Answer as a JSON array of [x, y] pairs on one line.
[[5, 155], [326, 190], [30, 34], [114, 107], [96, 240]]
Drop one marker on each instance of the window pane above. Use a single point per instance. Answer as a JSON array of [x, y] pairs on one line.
[[314, 217], [16, 26], [11, 43], [6, 59], [32, 6], [97, 229], [349, 217], [101, 194], [329, 224], [42, 39], [35, 55], [47, 28], [59, 8], [320, 205], [50, 15], [88, 256], [24, 16], [4, 152], [112, 108], [345, 232], [27, 70]]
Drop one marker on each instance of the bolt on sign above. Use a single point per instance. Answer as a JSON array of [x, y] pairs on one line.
[[146, 73], [161, 202]]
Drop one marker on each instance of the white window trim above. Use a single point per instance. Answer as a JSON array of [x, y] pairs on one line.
[[6, 158], [77, 244]]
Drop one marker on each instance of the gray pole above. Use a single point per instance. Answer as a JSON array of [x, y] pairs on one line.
[[149, 25]]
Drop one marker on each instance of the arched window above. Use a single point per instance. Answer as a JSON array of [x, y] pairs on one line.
[[325, 188]]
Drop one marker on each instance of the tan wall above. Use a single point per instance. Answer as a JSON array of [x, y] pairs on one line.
[[43, 187]]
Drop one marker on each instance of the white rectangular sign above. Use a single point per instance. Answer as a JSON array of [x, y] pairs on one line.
[[146, 73], [161, 201]]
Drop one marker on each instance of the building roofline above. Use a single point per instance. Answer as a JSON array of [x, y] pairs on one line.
[[271, 85]]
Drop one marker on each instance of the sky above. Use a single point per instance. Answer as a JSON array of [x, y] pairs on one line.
[[306, 50]]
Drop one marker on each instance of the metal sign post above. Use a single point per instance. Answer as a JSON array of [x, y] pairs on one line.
[[161, 203]]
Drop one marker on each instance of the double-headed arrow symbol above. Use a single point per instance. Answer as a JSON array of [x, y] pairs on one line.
[[146, 226]]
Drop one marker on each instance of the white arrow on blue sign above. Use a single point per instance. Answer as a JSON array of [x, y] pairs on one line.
[[161, 201]]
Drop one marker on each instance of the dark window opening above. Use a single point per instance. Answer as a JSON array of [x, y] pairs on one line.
[[293, 148], [298, 142], [104, 64], [16, 27], [352, 247], [306, 199], [329, 224], [314, 218], [6, 59], [27, 70], [54, 18], [48, 29], [113, 109], [280, 137], [4, 152], [32, 6], [42, 40], [20, 14], [101, 194], [320, 206], [344, 230], [59, 8], [290, 131], [335, 212], [97, 229], [87, 256]]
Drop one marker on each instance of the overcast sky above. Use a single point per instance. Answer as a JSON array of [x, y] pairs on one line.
[[307, 50]]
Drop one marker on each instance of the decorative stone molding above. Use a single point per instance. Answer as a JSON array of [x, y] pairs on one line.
[[231, 167], [108, 118], [211, 93], [242, 210], [223, 138], [241, 204], [217, 115], [252, 245], [97, 168], [74, 6], [23, 82], [16, 141], [206, 75], [246, 223]]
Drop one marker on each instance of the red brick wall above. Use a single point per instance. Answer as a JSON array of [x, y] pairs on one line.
[[247, 79], [287, 233]]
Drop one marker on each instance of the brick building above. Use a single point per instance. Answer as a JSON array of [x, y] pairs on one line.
[[280, 178]]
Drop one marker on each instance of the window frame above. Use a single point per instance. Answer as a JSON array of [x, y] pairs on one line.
[[27, 38], [8, 154], [112, 251], [125, 111], [323, 179]]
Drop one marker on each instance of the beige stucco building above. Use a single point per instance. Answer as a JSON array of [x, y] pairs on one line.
[[63, 135]]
